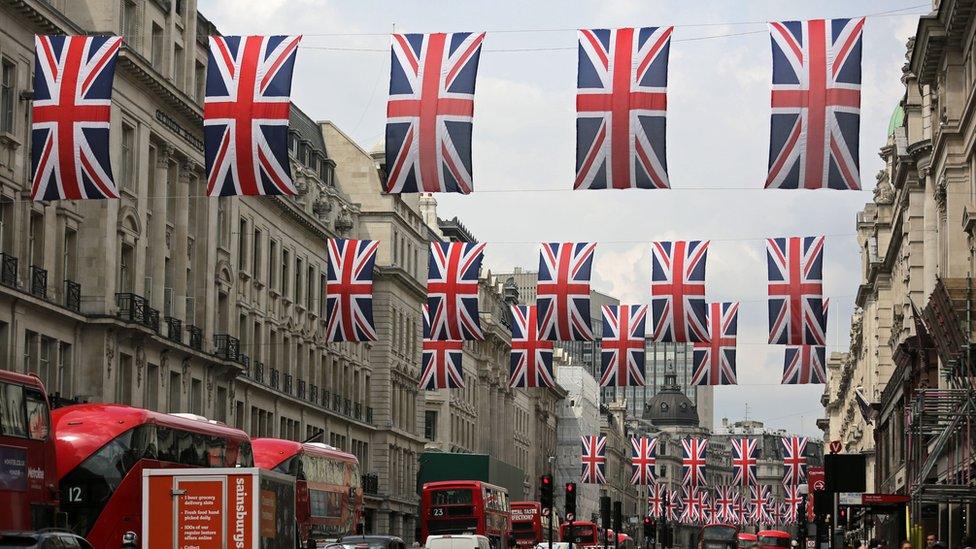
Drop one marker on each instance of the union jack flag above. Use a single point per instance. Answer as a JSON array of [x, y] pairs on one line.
[[622, 346], [655, 500], [816, 104], [804, 364], [430, 112], [245, 115], [724, 503], [621, 102], [694, 509], [794, 460], [72, 109], [715, 360], [693, 462], [563, 291], [760, 504], [452, 290], [740, 509], [744, 461], [441, 361], [672, 505], [796, 311], [642, 459], [349, 290], [594, 459], [792, 501], [678, 307], [531, 357], [775, 511]]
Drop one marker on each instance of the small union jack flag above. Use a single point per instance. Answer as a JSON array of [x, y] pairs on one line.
[[531, 357], [796, 311], [715, 360], [594, 459], [655, 500], [775, 511], [441, 361], [642, 459], [744, 461], [622, 346], [761, 501], [245, 115], [805, 364], [693, 461], [792, 501], [816, 104], [452, 290], [621, 102], [72, 109], [696, 500], [430, 112], [794, 460], [740, 508], [563, 291], [672, 505], [724, 503], [349, 290], [678, 308]]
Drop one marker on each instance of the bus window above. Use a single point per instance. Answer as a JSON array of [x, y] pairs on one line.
[[12, 410], [450, 497], [166, 444], [243, 457], [38, 420], [216, 451]]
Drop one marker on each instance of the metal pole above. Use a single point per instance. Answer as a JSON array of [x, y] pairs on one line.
[[552, 511], [569, 530]]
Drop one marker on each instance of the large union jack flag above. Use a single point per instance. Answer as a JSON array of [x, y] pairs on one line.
[[563, 291], [655, 500], [72, 108], [622, 346], [441, 361], [715, 360], [678, 308], [744, 461], [761, 501], [621, 101], [724, 504], [245, 115], [816, 104], [594, 459], [791, 502], [531, 357], [452, 290], [794, 460], [795, 270], [430, 112], [349, 290], [805, 364], [695, 501], [693, 462], [642, 459]]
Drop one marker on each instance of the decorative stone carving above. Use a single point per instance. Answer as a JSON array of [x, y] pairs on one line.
[[184, 369], [109, 352], [140, 364], [884, 193], [344, 222], [857, 322], [940, 198], [321, 207]]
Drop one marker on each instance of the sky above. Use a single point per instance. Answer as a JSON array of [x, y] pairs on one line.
[[524, 145]]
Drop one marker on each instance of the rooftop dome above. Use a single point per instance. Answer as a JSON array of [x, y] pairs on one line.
[[897, 119], [670, 407]]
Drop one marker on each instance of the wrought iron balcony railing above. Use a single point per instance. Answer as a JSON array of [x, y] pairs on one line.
[[301, 388], [174, 329], [38, 281], [227, 347], [72, 296], [369, 415], [346, 407], [8, 270], [313, 394], [371, 483], [274, 378], [258, 371], [196, 337], [336, 402], [246, 364], [357, 411], [289, 385]]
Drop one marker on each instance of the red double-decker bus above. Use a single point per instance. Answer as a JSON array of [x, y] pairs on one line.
[[328, 491], [465, 507], [529, 525], [28, 489], [103, 448], [583, 533]]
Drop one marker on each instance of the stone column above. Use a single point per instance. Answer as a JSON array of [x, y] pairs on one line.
[[178, 255], [156, 243]]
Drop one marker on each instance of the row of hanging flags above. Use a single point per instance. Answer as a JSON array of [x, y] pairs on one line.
[[679, 313], [621, 106], [692, 503]]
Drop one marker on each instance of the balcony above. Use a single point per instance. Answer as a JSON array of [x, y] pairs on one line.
[[369, 415], [258, 371], [336, 402], [346, 407], [196, 337], [274, 378], [371, 483], [38, 282], [246, 364], [301, 388], [227, 347], [135, 308], [313, 394], [288, 384], [72, 296], [152, 319], [174, 329], [357, 411], [326, 400], [8, 270]]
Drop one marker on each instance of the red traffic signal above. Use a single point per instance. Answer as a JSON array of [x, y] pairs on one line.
[[546, 480], [647, 520], [570, 486]]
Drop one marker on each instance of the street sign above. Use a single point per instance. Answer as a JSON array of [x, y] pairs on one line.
[[545, 511], [816, 479], [835, 447], [849, 498], [570, 517]]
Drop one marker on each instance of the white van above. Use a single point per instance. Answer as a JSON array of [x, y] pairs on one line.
[[457, 541]]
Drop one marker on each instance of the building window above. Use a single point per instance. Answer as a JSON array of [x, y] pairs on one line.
[[35, 244], [125, 268], [179, 66], [221, 221], [242, 245], [175, 393], [30, 350], [150, 400], [127, 164], [44, 370], [129, 20], [430, 424], [65, 373], [310, 291], [6, 223], [123, 383], [8, 72], [323, 295], [157, 47], [273, 264], [298, 281], [256, 254], [285, 260], [200, 80], [196, 397]]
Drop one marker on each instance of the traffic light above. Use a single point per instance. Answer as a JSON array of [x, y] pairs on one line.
[[570, 500], [801, 517], [618, 518], [545, 491], [605, 512], [648, 529]]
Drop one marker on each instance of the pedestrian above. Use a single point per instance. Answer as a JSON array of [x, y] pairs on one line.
[[930, 541], [906, 544]]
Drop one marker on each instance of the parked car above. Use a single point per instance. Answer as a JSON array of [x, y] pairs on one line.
[[43, 539], [371, 542], [458, 541]]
